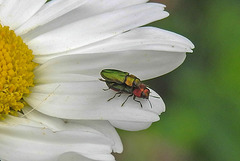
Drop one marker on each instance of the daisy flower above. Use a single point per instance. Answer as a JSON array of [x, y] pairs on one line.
[[52, 104]]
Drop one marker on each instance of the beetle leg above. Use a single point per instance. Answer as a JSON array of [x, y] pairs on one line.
[[119, 94], [114, 96], [134, 98], [127, 99]]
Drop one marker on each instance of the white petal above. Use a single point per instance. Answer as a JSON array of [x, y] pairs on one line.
[[91, 8], [157, 105], [96, 28], [94, 7], [40, 144], [99, 127], [62, 77], [143, 64], [52, 123], [87, 100], [107, 129], [75, 157], [144, 38], [49, 12], [119, 124], [131, 126], [16, 121], [13, 13]]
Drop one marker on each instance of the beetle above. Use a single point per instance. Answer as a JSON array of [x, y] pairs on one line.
[[123, 82]]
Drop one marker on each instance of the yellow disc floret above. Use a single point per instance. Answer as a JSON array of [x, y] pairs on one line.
[[16, 71]]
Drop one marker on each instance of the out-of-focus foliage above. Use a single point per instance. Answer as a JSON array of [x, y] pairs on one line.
[[202, 121]]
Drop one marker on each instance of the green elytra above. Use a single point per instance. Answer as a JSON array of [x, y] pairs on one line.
[[120, 77]]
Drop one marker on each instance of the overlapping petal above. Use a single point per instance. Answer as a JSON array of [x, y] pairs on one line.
[[14, 13], [96, 28], [130, 126], [49, 12], [144, 38], [42, 143], [70, 156], [56, 124], [90, 8], [145, 64], [87, 101]]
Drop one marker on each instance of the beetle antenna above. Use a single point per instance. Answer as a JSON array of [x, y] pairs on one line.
[[134, 98], [150, 103], [154, 96]]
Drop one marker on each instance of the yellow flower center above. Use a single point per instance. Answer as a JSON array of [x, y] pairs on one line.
[[16, 72]]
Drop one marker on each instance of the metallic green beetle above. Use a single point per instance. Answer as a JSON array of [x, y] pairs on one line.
[[123, 82]]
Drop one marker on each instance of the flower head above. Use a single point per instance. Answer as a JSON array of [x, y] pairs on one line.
[[51, 58]]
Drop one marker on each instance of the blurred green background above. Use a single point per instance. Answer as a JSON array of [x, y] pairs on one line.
[[202, 120]]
